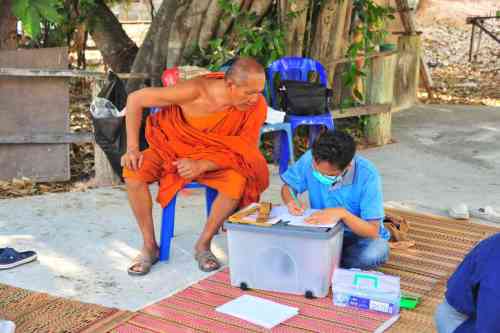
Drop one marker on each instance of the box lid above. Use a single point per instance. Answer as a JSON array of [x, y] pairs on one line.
[[281, 228]]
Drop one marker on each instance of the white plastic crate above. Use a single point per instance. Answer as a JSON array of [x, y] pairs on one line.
[[283, 258]]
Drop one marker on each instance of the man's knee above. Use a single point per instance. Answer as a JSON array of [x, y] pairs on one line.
[[135, 185], [375, 254], [369, 254], [238, 183], [447, 318]]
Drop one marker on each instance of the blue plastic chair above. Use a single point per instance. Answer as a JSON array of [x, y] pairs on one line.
[[299, 69], [293, 68], [168, 218], [285, 143]]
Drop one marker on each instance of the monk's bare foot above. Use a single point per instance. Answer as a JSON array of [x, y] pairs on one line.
[[207, 261], [142, 264]]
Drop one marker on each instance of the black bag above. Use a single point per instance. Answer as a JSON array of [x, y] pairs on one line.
[[302, 98], [110, 133]]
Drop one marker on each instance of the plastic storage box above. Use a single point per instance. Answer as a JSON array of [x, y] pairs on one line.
[[283, 258], [366, 290]]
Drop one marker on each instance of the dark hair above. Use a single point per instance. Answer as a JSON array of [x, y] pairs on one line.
[[335, 147]]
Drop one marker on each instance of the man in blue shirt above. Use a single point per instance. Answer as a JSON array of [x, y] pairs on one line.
[[343, 186], [471, 302]]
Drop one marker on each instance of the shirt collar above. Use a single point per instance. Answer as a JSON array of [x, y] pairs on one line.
[[349, 176]]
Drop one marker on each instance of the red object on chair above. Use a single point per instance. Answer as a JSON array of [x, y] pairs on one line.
[[170, 76]]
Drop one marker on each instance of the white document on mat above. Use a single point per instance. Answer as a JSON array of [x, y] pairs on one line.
[[258, 311]]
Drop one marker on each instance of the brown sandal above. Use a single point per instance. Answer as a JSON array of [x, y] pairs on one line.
[[145, 261], [205, 260]]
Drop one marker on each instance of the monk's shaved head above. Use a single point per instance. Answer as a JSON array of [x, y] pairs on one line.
[[243, 68]]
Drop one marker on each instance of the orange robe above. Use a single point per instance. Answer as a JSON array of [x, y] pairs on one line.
[[228, 138]]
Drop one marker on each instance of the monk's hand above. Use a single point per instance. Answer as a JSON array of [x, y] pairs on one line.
[[326, 216], [132, 159], [189, 169]]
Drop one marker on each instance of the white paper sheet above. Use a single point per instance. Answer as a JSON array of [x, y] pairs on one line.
[[281, 212], [274, 116], [258, 311]]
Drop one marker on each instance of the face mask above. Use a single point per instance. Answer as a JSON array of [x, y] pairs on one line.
[[326, 180]]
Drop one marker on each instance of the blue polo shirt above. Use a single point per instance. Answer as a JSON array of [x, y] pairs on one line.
[[474, 288], [360, 191]]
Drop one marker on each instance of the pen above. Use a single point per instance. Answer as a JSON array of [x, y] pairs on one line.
[[294, 197]]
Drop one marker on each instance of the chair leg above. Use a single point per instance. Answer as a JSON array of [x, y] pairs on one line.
[[314, 131], [284, 151], [210, 196], [276, 146], [167, 229]]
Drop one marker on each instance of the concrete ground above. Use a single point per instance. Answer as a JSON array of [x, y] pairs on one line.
[[85, 241]]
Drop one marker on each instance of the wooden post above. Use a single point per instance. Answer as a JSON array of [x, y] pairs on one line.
[[380, 88], [104, 174], [407, 72]]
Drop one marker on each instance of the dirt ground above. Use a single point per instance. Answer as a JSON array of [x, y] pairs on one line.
[[446, 41]]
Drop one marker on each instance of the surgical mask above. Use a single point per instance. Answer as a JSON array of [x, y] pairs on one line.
[[326, 180]]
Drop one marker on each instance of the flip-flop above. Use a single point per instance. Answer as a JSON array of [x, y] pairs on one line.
[[486, 213], [459, 211], [145, 261], [204, 258], [10, 258]]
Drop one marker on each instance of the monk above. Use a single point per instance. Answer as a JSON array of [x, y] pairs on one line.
[[207, 132]]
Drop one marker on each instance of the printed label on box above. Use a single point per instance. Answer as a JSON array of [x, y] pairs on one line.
[[367, 304]]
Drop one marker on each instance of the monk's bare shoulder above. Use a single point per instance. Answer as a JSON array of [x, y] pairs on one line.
[[209, 88]]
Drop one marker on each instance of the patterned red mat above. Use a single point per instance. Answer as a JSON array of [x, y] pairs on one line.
[[193, 309], [440, 245]]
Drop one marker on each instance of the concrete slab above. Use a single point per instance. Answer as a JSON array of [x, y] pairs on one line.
[[85, 241]]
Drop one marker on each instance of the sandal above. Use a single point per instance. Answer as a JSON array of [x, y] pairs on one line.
[[10, 258], [145, 261], [207, 261]]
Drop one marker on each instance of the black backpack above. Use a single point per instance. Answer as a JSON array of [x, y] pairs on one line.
[[302, 98]]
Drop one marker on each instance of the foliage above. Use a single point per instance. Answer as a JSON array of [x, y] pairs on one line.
[[263, 40], [34, 12], [52, 22], [370, 28]]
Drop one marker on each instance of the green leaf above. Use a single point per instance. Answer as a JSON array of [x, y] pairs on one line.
[[20, 8], [32, 23], [48, 10]]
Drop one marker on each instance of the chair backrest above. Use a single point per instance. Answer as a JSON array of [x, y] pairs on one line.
[[294, 68]]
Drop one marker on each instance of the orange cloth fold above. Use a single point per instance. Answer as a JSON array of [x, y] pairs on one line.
[[228, 138]]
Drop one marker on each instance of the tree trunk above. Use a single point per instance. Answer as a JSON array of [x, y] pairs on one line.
[[332, 34], [8, 25], [144, 59], [117, 49], [177, 28], [295, 27], [326, 19], [407, 72], [186, 30], [380, 89]]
